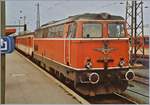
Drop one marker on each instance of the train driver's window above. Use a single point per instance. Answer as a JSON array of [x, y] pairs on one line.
[[92, 30], [72, 30], [116, 30]]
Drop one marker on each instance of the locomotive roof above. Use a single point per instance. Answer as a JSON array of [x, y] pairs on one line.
[[90, 16], [95, 16]]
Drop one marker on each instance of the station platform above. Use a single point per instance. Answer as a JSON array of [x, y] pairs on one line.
[[25, 84]]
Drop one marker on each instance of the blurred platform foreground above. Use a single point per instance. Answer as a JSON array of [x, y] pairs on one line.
[[25, 84]]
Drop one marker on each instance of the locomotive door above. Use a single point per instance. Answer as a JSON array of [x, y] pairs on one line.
[[70, 37]]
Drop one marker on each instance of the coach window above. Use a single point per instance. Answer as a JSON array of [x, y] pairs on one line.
[[72, 30], [116, 30], [92, 30]]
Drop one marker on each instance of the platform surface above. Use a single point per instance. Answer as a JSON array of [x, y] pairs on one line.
[[25, 84]]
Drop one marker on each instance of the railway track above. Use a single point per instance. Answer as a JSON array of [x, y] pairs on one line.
[[114, 98], [126, 98], [138, 91], [142, 80]]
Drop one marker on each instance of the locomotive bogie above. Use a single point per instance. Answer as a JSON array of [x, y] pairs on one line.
[[107, 81]]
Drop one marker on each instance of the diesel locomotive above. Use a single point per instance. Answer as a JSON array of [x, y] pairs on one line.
[[91, 50]]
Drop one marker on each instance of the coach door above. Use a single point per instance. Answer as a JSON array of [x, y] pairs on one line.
[[70, 37]]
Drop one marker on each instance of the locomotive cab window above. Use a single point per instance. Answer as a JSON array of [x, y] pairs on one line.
[[92, 30], [72, 30], [116, 30]]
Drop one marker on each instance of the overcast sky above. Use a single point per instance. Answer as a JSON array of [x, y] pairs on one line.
[[59, 9]]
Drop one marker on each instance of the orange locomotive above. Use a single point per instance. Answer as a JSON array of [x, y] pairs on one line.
[[90, 50]]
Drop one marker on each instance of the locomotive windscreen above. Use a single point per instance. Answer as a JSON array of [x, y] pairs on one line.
[[92, 30], [116, 30]]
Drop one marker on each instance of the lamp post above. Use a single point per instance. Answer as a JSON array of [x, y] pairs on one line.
[[20, 17]]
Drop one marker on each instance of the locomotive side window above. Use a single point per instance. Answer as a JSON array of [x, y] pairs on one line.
[[72, 30], [53, 31], [39, 34], [56, 31], [116, 30], [60, 30], [49, 32], [92, 30], [45, 31]]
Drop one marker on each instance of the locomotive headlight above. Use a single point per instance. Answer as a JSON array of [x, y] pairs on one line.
[[88, 64], [129, 75], [122, 62], [87, 77], [94, 78]]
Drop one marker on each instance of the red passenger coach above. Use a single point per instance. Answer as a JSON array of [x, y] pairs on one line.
[[24, 43], [89, 50]]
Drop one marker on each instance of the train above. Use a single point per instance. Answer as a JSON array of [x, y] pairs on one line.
[[91, 50]]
